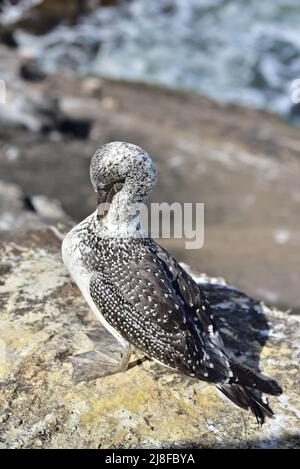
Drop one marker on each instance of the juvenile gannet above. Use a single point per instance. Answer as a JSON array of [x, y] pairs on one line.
[[141, 294]]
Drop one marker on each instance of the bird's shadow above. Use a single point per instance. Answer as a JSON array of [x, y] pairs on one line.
[[241, 321]]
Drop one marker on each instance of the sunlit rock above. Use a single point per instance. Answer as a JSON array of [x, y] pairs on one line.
[[44, 322]]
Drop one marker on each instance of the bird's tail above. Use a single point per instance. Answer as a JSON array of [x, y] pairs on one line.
[[247, 399], [245, 387]]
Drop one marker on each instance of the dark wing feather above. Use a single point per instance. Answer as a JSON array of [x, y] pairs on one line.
[[133, 325], [191, 294], [168, 307]]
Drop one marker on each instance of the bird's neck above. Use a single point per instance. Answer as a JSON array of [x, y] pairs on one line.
[[122, 218]]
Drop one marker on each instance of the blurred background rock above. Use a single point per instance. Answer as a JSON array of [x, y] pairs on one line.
[[203, 85]]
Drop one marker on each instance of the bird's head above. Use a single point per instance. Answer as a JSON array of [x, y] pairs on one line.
[[124, 171]]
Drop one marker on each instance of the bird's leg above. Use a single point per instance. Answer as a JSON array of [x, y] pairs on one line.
[[97, 364]]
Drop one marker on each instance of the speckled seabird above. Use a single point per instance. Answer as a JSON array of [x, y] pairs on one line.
[[141, 294]]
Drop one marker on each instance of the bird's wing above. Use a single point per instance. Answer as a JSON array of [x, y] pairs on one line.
[[165, 313], [189, 291]]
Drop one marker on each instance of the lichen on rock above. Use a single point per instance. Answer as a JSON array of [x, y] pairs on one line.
[[44, 321]]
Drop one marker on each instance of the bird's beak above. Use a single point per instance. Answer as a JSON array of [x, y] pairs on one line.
[[104, 195], [103, 206]]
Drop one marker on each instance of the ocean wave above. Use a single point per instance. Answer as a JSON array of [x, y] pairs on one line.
[[246, 52]]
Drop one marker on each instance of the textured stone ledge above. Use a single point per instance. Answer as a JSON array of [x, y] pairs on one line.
[[44, 321]]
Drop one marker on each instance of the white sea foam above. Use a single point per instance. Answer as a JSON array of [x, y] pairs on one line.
[[235, 51]]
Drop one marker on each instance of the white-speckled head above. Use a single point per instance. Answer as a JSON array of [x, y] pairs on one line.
[[123, 175], [119, 163]]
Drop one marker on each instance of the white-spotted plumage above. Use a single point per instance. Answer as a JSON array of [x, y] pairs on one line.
[[140, 292]]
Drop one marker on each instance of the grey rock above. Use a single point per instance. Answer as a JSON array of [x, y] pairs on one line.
[[19, 212], [44, 322]]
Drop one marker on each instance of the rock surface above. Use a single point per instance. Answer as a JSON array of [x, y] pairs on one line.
[[40, 16], [19, 212], [44, 321]]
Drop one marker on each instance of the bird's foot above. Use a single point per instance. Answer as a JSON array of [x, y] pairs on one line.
[[96, 364]]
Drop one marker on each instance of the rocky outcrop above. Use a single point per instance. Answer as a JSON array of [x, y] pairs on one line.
[[19, 212], [39, 16], [44, 322], [31, 100]]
